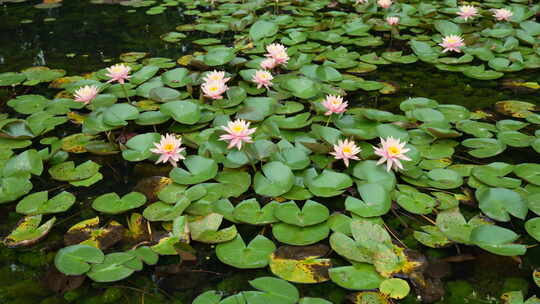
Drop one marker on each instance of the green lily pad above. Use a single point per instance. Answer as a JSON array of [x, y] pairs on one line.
[[115, 266], [327, 184], [255, 255], [375, 201], [28, 231], [199, 169], [278, 290], [183, 111], [275, 179], [111, 203], [301, 264], [498, 203], [67, 171], [76, 259], [250, 212], [138, 147], [360, 276], [219, 56], [39, 203], [395, 288], [497, 240], [312, 213], [300, 236], [262, 29], [528, 172], [533, 228]]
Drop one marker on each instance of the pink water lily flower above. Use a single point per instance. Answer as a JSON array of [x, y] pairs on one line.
[[392, 152], [502, 14], [169, 149], [216, 76], [262, 78], [214, 89], [452, 43], [268, 63], [278, 52], [384, 3], [86, 94], [345, 150], [238, 132], [392, 21], [467, 11], [118, 72], [334, 105]]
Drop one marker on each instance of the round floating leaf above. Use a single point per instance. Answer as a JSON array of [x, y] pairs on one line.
[[369, 297], [255, 255], [235, 182], [370, 172], [312, 213], [209, 297], [111, 203], [444, 179], [219, 56], [302, 87], [497, 240], [76, 259], [160, 211], [533, 228], [327, 184], [515, 108], [163, 94], [176, 78], [301, 264], [116, 266], [262, 29], [118, 114], [484, 147], [199, 169], [278, 289], [183, 111], [28, 104], [249, 211], [416, 202], [307, 300], [498, 203], [529, 172], [349, 248], [28, 231], [67, 171], [357, 277], [39, 203], [395, 288], [138, 147], [275, 179], [515, 139], [300, 236], [375, 201], [27, 162], [11, 78]]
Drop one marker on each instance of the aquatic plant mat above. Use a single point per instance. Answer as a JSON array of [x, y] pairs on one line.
[[282, 161]]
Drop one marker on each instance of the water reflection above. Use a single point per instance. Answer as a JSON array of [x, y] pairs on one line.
[[98, 31]]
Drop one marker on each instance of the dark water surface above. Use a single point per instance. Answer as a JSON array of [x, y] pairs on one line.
[[82, 35]]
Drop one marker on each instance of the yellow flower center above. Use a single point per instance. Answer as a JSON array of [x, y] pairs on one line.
[[452, 40], [336, 102], [237, 128], [213, 89], [347, 149], [394, 150], [168, 147]]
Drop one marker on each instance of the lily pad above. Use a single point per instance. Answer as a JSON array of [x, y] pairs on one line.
[[255, 255]]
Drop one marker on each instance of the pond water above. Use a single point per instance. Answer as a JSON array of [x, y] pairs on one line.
[[81, 37]]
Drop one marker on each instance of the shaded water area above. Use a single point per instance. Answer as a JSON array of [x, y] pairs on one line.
[[81, 37]]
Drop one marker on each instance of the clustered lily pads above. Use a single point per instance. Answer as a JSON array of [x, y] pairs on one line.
[[257, 146]]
